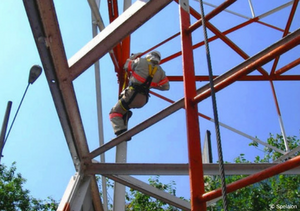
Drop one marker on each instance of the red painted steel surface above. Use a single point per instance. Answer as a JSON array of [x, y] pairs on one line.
[[192, 121], [67, 207], [232, 76], [286, 31], [272, 171]]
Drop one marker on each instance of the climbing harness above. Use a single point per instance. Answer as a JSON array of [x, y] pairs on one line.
[[213, 96], [142, 88]]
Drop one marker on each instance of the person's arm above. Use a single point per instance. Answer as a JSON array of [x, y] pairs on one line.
[[129, 64], [163, 84]]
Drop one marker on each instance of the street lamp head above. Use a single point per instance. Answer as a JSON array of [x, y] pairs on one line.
[[35, 72]]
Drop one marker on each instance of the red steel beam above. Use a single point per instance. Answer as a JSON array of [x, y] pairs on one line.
[[125, 51], [225, 39], [172, 101], [276, 100], [113, 14], [210, 15], [193, 12], [122, 49], [232, 45], [113, 11], [254, 178], [288, 67], [286, 31], [192, 121], [248, 77], [161, 43], [211, 39], [258, 60], [269, 25]]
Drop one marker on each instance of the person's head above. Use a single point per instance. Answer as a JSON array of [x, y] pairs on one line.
[[154, 57]]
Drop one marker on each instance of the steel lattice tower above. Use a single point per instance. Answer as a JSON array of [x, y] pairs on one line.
[[261, 64]]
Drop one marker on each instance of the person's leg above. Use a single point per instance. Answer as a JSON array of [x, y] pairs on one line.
[[139, 101], [116, 117], [120, 113]]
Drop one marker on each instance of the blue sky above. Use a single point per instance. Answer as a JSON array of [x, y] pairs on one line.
[[37, 142]]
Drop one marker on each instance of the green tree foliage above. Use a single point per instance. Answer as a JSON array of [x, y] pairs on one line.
[[13, 196], [281, 192], [137, 201]]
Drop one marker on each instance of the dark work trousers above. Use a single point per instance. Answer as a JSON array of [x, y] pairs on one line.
[[118, 111]]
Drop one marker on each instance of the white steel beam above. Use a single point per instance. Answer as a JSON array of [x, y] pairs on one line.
[[178, 168], [121, 157], [82, 199], [119, 189], [69, 192], [96, 16], [251, 8], [49, 68], [154, 192], [226, 10], [126, 23], [98, 22], [276, 9], [151, 191], [78, 195], [46, 32], [250, 137], [288, 155]]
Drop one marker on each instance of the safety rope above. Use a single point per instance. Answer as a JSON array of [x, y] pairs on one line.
[[214, 102], [151, 73], [151, 70], [124, 83]]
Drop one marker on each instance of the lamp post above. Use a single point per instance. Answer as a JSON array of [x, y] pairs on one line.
[[35, 72]]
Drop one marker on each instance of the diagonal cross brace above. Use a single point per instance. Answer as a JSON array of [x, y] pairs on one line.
[[222, 81]]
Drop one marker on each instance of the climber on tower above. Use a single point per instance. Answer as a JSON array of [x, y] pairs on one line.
[[144, 73]]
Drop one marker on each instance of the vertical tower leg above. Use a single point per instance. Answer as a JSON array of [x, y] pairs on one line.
[[192, 121], [121, 151]]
